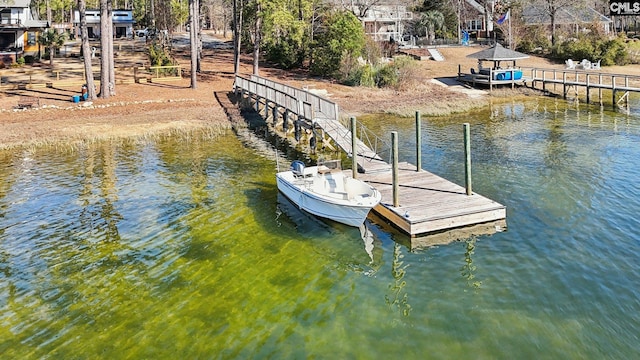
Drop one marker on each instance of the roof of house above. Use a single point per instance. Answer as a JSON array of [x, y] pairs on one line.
[[572, 14], [497, 53]]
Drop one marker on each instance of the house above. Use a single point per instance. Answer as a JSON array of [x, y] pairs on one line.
[[383, 22], [477, 18], [19, 30], [122, 23], [572, 17]]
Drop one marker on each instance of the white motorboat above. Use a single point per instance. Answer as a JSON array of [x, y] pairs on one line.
[[325, 191]]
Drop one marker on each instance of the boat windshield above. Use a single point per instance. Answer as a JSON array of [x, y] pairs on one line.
[[330, 164]]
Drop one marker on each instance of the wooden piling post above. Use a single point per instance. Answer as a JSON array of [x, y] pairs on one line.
[[418, 141], [266, 109], [285, 121], [275, 113], [626, 91], [600, 88], [394, 168], [467, 157], [613, 90], [588, 91], [354, 147], [490, 80], [300, 112]]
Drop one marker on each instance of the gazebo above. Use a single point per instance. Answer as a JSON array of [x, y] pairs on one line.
[[495, 75], [497, 53]]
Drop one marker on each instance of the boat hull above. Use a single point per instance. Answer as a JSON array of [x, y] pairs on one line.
[[345, 211]]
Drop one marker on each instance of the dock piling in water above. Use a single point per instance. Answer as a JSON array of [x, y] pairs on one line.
[[418, 141], [467, 157], [394, 168], [354, 146]]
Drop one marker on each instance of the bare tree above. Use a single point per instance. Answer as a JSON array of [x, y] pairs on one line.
[[238, 9], [257, 39], [198, 37], [111, 58], [193, 14], [106, 49], [553, 8], [84, 35]]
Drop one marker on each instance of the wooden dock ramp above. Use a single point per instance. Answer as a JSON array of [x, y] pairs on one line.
[[368, 160]]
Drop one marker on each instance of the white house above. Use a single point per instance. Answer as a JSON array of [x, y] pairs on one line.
[[18, 30], [383, 22], [122, 22]]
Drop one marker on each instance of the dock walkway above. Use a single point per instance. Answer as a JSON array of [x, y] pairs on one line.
[[428, 204], [573, 80]]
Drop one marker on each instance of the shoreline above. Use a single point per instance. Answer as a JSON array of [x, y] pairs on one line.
[[112, 119], [149, 109]]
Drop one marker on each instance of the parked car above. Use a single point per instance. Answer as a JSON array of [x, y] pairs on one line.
[[144, 32]]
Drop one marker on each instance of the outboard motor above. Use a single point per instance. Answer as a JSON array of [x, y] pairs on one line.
[[297, 167]]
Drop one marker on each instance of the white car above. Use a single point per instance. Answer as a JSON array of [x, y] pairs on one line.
[[143, 32]]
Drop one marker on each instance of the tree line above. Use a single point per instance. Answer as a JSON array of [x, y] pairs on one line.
[[326, 36]]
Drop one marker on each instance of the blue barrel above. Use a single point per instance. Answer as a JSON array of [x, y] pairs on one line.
[[75, 98]]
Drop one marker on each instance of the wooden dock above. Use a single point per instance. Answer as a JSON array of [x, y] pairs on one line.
[[492, 78], [572, 81], [428, 204]]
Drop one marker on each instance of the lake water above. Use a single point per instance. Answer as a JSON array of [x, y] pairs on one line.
[[182, 248]]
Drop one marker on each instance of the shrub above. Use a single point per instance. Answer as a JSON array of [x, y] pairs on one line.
[[402, 72], [387, 75], [20, 61], [342, 37], [594, 48], [407, 70], [534, 39], [160, 57], [613, 52], [367, 76]]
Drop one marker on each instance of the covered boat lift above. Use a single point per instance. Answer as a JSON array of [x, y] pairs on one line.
[[496, 74]]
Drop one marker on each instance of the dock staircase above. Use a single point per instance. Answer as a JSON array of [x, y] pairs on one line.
[[435, 54]]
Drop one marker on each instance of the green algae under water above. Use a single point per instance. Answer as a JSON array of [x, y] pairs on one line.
[[175, 248]]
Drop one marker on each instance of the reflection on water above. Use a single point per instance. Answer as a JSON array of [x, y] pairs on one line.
[[182, 248], [312, 227], [468, 269], [398, 297]]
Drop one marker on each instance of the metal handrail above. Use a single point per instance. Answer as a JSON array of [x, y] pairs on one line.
[[371, 140]]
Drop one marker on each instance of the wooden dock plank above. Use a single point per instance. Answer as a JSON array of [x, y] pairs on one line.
[[429, 203]]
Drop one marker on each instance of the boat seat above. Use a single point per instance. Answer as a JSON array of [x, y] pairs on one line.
[[335, 186], [339, 195]]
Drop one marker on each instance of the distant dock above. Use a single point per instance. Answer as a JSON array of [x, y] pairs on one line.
[[414, 201], [590, 83]]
